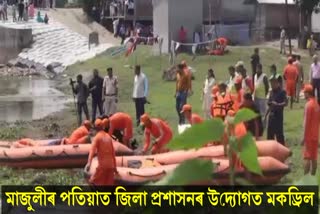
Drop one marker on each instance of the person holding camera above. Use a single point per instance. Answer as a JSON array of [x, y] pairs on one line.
[[82, 92]]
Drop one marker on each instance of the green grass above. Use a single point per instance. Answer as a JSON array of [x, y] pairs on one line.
[[161, 96]]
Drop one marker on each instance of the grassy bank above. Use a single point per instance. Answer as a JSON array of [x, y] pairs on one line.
[[162, 103]]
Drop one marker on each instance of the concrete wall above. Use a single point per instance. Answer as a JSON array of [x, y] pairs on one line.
[[12, 41], [227, 11], [161, 22], [169, 16], [315, 22]]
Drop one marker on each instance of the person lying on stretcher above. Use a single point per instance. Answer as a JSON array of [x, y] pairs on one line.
[[78, 136]]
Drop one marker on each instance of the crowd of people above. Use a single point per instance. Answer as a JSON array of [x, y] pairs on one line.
[[21, 11]]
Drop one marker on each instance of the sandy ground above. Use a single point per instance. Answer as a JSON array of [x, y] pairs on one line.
[[77, 21]]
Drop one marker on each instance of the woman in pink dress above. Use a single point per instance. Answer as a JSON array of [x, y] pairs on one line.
[[31, 10]]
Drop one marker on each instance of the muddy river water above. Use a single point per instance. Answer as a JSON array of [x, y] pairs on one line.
[[28, 98]]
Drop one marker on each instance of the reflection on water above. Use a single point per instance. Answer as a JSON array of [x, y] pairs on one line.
[[28, 99]]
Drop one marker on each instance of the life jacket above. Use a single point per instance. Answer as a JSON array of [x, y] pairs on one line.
[[222, 105]]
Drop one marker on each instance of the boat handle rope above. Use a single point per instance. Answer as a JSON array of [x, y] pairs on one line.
[[147, 176]]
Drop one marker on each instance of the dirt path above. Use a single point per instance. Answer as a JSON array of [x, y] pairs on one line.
[[77, 21]]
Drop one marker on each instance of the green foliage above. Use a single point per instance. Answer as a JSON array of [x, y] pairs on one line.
[[198, 135], [308, 5], [249, 154], [188, 172], [244, 115], [307, 180], [10, 133]]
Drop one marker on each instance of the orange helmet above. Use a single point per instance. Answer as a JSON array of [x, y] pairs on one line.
[[105, 122], [185, 108], [231, 113], [98, 123], [308, 88], [144, 119], [214, 90]]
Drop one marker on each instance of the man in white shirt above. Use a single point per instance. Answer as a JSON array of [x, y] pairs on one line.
[[110, 92], [140, 92], [282, 41], [315, 76], [115, 27]]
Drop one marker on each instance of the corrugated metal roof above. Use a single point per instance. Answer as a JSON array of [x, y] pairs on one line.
[[275, 1]]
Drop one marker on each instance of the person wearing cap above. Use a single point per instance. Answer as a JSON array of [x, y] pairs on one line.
[[158, 129], [80, 135], [206, 93], [300, 81], [290, 75], [110, 92], [261, 90], [239, 67], [238, 131], [102, 147], [120, 122], [282, 41], [277, 101], [183, 88], [255, 126], [191, 117], [311, 131], [314, 76], [274, 74], [222, 103]]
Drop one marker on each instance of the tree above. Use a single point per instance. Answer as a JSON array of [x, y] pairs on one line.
[[307, 7]]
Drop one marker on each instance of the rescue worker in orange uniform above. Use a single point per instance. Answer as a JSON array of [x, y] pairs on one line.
[[159, 130], [238, 96], [80, 135], [102, 146], [222, 103], [290, 75], [121, 122], [191, 117], [239, 131], [311, 131], [222, 42]]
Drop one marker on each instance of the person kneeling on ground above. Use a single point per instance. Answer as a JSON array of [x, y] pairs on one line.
[[80, 135], [311, 131], [158, 129], [192, 119], [121, 122], [102, 146]]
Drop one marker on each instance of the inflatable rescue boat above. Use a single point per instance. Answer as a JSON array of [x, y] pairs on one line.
[[273, 170], [57, 156]]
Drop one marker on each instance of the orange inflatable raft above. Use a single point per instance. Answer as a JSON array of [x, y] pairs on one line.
[[58, 156], [265, 148], [273, 170]]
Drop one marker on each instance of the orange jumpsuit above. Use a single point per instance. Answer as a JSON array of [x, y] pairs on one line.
[[291, 75], [223, 42], [122, 122], [195, 119], [104, 174], [311, 129], [79, 136], [161, 131]]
